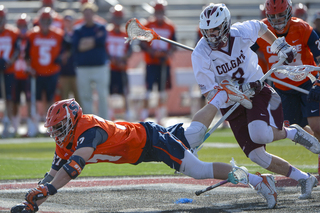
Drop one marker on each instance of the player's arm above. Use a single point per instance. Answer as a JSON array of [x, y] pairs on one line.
[[314, 45], [16, 51], [278, 45], [69, 171]]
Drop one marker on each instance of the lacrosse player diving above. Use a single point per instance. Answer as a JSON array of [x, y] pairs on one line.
[[83, 139], [227, 72]]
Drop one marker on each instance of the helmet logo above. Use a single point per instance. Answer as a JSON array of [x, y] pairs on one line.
[[208, 22]]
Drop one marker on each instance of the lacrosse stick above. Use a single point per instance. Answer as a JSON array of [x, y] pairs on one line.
[[135, 30], [234, 107], [296, 73], [239, 175], [289, 85]]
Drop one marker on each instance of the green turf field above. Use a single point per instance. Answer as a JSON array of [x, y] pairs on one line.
[[33, 160]]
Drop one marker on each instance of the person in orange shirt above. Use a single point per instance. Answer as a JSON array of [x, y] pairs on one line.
[[9, 52], [44, 44], [157, 58], [297, 108], [57, 19], [119, 53], [86, 139], [22, 80]]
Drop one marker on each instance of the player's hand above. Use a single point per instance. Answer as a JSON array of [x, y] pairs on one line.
[[283, 49], [314, 93], [24, 207], [232, 178], [42, 191], [255, 86]]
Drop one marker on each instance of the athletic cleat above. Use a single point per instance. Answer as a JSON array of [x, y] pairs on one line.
[[307, 186], [305, 139], [267, 189], [235, 94]]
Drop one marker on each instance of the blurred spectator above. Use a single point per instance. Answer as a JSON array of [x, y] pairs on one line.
[[262, 11], [57, 20], [9, 41], [300, 11], [42, 55], [67, 79], [157, 54], [316, 23], [91, 61], [96, 18], [22, 81], [119, 53]]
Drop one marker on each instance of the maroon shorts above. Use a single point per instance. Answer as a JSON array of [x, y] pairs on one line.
[[266, 107]]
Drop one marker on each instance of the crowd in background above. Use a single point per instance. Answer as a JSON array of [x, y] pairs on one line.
[[58, 56]]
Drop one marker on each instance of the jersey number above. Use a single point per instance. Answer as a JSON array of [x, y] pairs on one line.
[[45, 56], [238, 76], [97, 157]]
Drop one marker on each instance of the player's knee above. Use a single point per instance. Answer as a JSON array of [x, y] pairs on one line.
[[260, 132], [260, 157], [195, 168], [315, 127], [195, 133]]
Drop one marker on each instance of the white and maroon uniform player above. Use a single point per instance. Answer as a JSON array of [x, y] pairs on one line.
[[223, 57]]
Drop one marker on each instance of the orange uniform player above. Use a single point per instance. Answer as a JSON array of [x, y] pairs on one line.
[[42, 56], [83, 139], [157, 58], [119, 53], [298, 37], [44, 50]]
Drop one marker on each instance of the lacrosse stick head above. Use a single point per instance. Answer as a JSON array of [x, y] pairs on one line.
[[295, 73], [239, 174], [135, 30]]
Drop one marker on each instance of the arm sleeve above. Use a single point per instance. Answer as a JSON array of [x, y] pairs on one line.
[[57, 162], [92, 138], [314, 45], [255, 47]]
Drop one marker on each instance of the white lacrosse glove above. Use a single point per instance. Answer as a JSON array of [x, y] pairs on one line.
[[283, 49], [232, 93]]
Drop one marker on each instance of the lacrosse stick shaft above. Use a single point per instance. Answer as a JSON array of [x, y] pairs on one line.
[[234, 107], [289, 85], [176, 43], [211, 187]]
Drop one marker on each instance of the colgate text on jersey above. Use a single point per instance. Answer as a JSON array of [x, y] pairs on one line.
[[226, 67]]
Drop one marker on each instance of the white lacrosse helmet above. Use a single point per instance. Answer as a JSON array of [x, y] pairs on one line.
[[215, 22]]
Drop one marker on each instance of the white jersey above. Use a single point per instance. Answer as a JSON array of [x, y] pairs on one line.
[[239, 64]]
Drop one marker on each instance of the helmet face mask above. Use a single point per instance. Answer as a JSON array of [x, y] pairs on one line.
[[215, 23], [279, 14], [61, 120]]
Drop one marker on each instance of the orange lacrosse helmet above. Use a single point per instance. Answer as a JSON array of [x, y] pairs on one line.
[[279, 13], [61, 120]]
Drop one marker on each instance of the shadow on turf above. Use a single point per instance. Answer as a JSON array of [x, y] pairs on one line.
[[248, 207]]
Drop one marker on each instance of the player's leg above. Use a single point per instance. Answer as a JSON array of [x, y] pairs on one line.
[[152, 71], [101, 77], [84, 80], [50, 88], [17, 89], [115, 85], [164, 84]]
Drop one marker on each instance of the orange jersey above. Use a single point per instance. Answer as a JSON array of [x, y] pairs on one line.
[[44, 49], [125, 141], [116, 48], [20, 64], [298, 35], [166, 30], [8, 38]]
